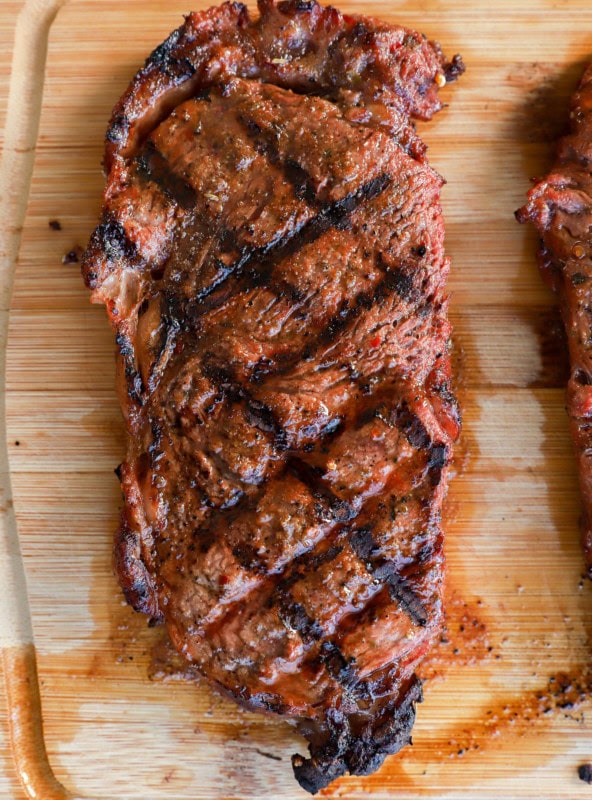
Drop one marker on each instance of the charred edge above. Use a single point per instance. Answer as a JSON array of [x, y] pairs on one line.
[[153, 166], [350, 743], [339, 510], [163, 59], [261, 701], [132, 572], [118, 130], [290, 7]]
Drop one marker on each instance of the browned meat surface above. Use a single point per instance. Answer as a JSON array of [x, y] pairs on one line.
[[560, 208], [271, 258]]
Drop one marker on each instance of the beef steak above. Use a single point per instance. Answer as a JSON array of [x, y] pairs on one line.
[[271, 258], [560, 208]]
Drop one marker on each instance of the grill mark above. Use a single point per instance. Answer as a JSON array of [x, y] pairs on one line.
[[292, 171], [160, 363], [368, 550], [292, 612], [340, 510], [395, 280], [135, 385], [260, 415], [412, 427], [153, 166], [277, 584], [263, 259], [400, 591], [342, 670], [301, 181]]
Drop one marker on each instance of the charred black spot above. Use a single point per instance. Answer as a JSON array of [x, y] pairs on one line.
[[400, 281], [363, 544], [300, 180], [110, 238], [294, 615], [246, 555], [454, 69], [126, 348], [339, 668], [296, 6], [437, 462], [118, 129], [582, 377], [412, 427]]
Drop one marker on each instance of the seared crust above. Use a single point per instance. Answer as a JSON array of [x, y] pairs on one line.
[[560, 208], [271, 257]]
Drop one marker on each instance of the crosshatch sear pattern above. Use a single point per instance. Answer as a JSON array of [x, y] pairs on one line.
[[271, 255]]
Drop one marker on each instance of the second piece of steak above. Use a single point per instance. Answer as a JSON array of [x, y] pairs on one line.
[[271, 257], [560, 207]]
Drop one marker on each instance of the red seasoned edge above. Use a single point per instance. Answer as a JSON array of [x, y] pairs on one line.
[[560, 208], [271, 256]]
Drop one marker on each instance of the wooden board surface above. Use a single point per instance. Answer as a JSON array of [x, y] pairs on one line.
[[493, 722]]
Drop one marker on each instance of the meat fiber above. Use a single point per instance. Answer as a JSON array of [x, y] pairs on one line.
[[271, 256], [560, 208]]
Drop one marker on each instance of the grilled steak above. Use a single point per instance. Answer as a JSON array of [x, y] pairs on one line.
[[271, 258], [560, 208]]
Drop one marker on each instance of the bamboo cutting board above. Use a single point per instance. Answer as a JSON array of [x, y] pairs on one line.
[[506, 711]]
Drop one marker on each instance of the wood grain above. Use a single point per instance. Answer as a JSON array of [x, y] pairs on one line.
[[512, 515]]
